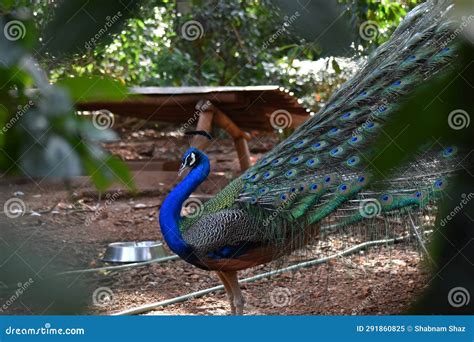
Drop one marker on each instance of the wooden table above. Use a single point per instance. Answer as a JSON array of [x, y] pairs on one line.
[[234, 109]]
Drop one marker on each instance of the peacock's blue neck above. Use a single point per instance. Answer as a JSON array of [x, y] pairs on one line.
[[170, 213]]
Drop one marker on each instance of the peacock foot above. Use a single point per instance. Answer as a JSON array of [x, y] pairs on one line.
[[234, 293]]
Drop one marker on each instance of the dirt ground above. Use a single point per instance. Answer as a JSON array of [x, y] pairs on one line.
[[75, 228]]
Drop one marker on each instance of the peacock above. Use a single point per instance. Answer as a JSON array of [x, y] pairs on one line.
[[321, 171]]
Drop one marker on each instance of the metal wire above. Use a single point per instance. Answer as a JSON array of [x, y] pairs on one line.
[[152, 306], [122, 267]]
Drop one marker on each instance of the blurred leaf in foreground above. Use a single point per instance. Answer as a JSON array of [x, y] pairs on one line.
[[439, 111], [41, 135], [79, 25], [93, 88]]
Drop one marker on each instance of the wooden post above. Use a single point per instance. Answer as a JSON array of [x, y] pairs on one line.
[[240, 137], [214, 114], [243, 153], [204, 124]]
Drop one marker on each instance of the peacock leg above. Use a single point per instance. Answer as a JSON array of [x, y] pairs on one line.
[[239, 300], [228, 290]]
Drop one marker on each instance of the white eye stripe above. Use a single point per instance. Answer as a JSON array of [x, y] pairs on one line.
[[193, 158]]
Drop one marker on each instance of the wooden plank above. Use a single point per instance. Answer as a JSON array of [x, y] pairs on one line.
[[199, 90], [153, 165], [246, 107], [166, 100]]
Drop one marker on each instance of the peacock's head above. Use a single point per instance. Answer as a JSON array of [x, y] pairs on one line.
[[193, 156], [190, 159]]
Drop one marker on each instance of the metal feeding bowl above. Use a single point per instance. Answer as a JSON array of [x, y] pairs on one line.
[[134, 251]]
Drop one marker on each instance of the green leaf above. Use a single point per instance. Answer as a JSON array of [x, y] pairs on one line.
[[93, 88], [6, 5], [121, 171], [56, 160], [3, 128], [91, 133], [103, 168], [320, 21], [78, 25], [336, 66]]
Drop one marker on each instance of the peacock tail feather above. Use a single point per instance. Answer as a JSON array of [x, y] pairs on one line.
[[322, 169]]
